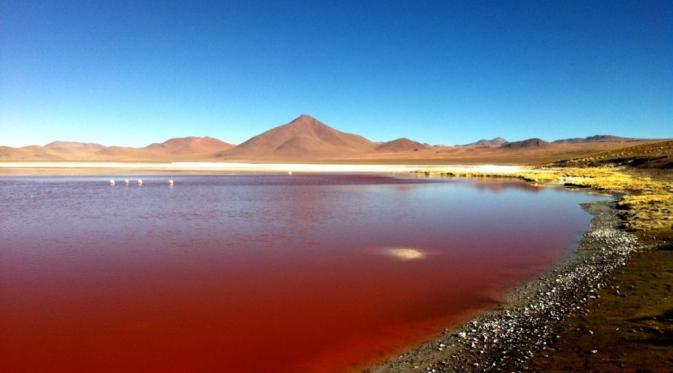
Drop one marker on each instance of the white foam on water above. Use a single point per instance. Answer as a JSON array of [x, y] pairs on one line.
[[406, 253]]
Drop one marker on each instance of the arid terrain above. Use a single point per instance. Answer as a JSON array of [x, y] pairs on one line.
[[307, 140], [616, 316], [613, 313], [658, 155], [336, 186]]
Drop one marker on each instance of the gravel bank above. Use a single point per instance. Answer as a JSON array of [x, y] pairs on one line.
[[506, 338]]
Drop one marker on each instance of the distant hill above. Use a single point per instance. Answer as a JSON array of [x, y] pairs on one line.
[[526, 144], [651, 155], [73, 145], [595, 138], [29, 153], [191, 145], [402, 145], [187, 148], [306, 139], [303, 138], [122, 153], [494, 143]]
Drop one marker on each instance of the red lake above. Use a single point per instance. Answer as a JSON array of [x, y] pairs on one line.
[[260, 273]]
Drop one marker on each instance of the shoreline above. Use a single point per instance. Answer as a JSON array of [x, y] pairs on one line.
[[536, 313], [533, 314], [205, 168], [506, 337]]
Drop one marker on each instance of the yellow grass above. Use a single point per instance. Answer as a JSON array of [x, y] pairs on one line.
[[646, 203]]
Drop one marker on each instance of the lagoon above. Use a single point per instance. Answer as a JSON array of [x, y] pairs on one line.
[[245, 272]]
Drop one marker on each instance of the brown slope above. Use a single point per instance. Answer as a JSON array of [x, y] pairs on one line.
[[54, 151], [305, 138], [31, 153], [72, 145], [69, 150], [649, 155], [122, 153], [492, 143], [190, 146], [596, 138], [176, 149], [527, 153], [526, 144], [402, 145], [8, 153]]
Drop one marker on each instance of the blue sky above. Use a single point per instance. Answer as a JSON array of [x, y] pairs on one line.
[[136, 72]]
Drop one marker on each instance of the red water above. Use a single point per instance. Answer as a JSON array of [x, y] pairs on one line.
[[258, 273]]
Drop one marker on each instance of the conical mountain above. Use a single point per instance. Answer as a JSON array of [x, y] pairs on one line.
[[303, 138]]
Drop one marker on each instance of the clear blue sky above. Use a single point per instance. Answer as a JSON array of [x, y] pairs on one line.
[[136, 72]]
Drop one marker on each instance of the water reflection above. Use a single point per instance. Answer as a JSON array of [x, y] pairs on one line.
[[219, 270]]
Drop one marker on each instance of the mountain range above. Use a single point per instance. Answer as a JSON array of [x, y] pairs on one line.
[[306, 139]]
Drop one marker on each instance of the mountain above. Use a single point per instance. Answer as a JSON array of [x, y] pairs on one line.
[[304, 138], [54, 151], [595, 138], [649, 155], [492, 143], [73, 145], [28, 153], [526, 144], [186, 148], [123, 153], [402, 144], [190, 145]]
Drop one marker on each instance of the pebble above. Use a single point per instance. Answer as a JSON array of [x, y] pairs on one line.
[[506, 339]]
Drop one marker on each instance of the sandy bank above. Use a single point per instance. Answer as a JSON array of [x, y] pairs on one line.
[[115, 168]]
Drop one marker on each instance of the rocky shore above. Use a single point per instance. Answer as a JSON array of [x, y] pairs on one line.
[[506, 338]]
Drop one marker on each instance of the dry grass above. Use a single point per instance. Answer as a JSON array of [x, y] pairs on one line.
[[646, 203], [653, 155]]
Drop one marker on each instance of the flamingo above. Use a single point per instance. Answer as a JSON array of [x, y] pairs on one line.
[[140, 182], [126, 181], [170, 182], [112, 182]]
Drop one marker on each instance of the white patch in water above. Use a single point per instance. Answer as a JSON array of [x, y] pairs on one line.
[[406, 253]]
